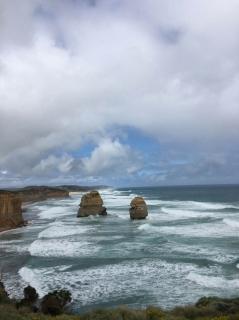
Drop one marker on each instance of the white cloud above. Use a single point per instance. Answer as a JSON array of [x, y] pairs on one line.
[[52, 163], [111, 158], [70, 71]]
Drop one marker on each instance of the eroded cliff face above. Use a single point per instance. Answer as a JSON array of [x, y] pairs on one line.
[[11, 203], [10, 211]]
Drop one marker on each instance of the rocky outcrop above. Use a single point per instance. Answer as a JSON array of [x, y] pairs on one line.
[[91, 204], [30, 299], [10, 211], [54, 302], [138, 208], [3, 293]]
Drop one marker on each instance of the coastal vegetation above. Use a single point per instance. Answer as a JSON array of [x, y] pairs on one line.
[[55, 305]]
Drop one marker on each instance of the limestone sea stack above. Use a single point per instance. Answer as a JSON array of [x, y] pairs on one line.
[[138, 209], [91, 204], [10, 211]]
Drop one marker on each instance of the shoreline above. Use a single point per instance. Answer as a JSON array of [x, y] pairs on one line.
[[57, 255], [57, 303]]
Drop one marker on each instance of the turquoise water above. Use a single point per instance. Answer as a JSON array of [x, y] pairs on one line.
[[187, 248]]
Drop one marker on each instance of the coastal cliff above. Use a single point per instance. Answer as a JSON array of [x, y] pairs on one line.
[[32, 194], [10, 211], [11, 203], [37, 193]]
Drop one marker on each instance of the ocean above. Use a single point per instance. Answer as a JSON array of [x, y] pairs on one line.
[[188, 247]]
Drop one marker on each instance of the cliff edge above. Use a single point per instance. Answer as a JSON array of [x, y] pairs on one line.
[[10, 211]]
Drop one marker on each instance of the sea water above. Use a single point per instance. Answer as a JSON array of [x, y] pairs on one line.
[[188, 247]]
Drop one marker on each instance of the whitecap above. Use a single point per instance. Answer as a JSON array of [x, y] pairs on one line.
[[210, 230], [213, 282], [112, 281], [180, 213], [63, 230], [232, 223], [148, 228], [54, 212], [62, 248], [191, 205]]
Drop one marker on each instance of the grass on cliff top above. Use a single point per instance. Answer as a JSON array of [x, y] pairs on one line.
[[204, 309]]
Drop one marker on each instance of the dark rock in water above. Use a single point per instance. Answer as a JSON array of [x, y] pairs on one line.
[[91, 204], [138, 208], [54, 302], [30, 294], [10, 211], [3, 294], [30, 299]]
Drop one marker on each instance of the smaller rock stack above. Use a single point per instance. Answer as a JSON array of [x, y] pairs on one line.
[[91, 204], [138, 209]]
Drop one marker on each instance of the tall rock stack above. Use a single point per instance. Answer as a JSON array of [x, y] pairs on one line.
[[138, 209], [10, 211], [91, 204]]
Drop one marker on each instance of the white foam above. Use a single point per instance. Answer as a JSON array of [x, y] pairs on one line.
[[62, 248], [202, 251], [154, 202], [14, 247], [117, 201], [181, 213], [213, 282], [212, 229], [192, 205], [232, 223], [62, 230], [114, 281], [54, 212], [193, 230], [148, 228], [31, 278]]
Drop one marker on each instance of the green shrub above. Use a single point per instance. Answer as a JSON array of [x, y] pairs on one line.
[[3, 294], [153, 313], [54, 302]]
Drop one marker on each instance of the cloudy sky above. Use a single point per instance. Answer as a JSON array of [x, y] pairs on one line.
[[119, 92]]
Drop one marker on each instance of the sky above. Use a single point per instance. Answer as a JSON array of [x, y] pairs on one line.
[[119, 92]]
